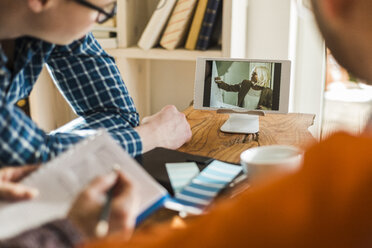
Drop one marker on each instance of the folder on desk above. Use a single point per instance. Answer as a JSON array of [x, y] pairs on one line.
[[154, 162], [201, 189]]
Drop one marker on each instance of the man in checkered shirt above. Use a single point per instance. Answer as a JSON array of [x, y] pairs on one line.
[[86, 76]]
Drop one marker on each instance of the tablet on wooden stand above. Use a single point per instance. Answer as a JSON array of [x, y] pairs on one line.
[[243, 88]]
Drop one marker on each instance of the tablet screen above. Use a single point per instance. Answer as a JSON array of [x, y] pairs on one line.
[[242, 84]]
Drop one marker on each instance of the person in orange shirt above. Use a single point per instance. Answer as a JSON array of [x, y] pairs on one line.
[[327, 203]]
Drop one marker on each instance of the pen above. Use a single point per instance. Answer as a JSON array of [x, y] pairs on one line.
[[102, 227]]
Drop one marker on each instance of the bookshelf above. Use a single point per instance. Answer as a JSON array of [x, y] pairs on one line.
[[162, 54], [156, 77], [106, 33], [131, 22]]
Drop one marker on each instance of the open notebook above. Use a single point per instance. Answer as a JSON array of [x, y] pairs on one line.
[[61, 180]]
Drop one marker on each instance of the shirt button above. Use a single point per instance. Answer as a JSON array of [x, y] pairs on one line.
[[37, 154]]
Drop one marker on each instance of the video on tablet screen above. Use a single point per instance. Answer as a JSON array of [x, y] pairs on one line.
[[242, 84]]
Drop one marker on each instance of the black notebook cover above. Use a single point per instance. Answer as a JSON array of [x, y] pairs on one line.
[[154, 163]]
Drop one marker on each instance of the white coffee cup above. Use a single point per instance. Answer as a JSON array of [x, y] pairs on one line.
[[268, 162]]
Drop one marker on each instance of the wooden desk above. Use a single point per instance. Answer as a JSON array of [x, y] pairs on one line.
[[208, 140]]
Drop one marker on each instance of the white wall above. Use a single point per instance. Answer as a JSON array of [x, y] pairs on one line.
[[269, 29], [310, 72], [275, 31]]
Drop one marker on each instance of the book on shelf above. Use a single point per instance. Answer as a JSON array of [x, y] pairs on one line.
[[209, 23], [178, 24], [196, 24], [106, 33], [151, 35], [105, 30], [216, 36]]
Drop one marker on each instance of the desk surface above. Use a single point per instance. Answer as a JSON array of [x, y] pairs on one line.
[[208, 140]]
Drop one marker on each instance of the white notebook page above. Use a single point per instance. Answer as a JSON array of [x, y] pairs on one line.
[[61, 180]]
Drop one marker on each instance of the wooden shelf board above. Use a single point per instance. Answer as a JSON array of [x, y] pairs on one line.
[[108, 43], [162, 54]]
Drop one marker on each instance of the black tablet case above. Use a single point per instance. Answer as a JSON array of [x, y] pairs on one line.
[[154, 163]]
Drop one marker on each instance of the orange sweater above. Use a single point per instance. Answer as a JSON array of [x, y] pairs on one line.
[[328, 203]]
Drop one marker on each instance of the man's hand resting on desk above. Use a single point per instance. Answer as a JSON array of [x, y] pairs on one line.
[[167, 128], [85, 212], [10, 189]]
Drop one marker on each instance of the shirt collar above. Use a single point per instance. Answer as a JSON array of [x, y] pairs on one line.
[[3, 61], [3, 58]]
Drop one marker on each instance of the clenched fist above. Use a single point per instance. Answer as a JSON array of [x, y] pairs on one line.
[[167, 128]]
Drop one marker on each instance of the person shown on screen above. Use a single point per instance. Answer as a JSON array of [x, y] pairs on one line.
[[55, 33], [254, 93]]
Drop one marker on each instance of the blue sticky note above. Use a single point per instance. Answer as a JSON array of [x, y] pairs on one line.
[[180, 174], [202, 189]]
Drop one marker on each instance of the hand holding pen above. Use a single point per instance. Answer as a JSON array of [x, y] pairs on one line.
[[109, 198]]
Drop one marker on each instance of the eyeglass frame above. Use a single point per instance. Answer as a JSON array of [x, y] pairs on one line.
[[100, 10]]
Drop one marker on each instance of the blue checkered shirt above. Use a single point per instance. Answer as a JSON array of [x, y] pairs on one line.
[[88, 79]]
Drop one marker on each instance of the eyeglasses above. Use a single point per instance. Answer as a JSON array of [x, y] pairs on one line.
[[104, 13]]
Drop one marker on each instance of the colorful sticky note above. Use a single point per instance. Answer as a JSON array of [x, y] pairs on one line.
[[202, 189], [180, 174]]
